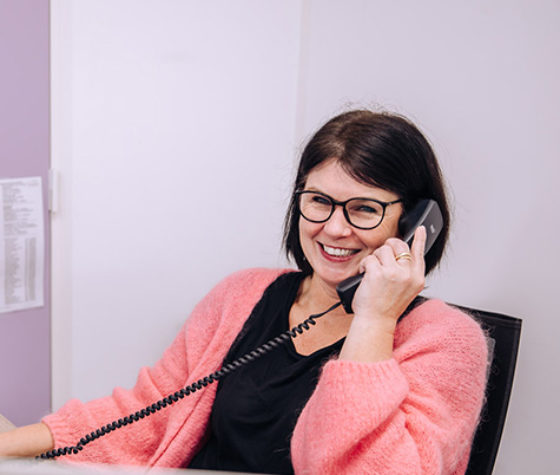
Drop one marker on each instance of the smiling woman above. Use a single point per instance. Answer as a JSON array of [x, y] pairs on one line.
[[375, 391], [383, 150]]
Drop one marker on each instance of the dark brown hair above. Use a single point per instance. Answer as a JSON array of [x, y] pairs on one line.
[[376, 148]]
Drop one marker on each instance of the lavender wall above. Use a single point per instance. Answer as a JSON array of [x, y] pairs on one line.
[[24, 151]]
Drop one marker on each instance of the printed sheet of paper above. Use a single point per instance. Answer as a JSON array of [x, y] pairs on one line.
[[22, 244]]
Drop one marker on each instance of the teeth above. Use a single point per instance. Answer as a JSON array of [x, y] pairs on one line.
[[332, 251]]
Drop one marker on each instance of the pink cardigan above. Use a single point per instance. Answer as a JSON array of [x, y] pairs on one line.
[[415, 413]]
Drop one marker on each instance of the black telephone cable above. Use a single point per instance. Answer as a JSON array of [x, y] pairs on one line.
[[201, 383]]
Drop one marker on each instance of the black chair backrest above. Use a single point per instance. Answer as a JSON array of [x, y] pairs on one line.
[[505, 332]]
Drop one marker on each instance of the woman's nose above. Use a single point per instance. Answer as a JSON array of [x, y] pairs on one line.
[[337, 225]]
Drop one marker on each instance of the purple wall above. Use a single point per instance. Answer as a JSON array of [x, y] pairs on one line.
[[24, 151]]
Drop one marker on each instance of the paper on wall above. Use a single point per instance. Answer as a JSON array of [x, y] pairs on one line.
[[22, 243]]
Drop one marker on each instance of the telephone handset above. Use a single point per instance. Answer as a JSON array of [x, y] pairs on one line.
[[425, 212]]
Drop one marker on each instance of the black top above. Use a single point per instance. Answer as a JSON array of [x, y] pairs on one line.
[[257, 406]]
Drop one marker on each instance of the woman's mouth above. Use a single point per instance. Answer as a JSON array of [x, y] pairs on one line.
[[337, 253]]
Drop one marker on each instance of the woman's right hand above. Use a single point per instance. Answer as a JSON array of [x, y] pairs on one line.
[[26, 441]]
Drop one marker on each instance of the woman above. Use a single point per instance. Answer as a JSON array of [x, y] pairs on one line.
[[395, 387]]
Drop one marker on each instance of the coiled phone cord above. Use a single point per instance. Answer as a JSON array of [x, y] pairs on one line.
[[201, 383]]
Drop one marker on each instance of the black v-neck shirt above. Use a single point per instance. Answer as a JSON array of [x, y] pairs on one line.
[[257, 406]]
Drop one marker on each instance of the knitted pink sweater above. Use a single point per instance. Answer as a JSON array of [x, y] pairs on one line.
[[415, 413]]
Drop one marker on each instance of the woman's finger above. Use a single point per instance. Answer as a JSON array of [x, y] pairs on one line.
[[400, 253], [418, 243], [386, 254], [417, 249]]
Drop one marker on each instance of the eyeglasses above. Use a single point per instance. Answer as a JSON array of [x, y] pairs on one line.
[[362, 213]]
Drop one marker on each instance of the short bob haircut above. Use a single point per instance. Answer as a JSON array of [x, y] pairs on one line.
[[376, 148]]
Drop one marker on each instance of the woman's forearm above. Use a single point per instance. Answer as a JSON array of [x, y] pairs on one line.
[[26, 441], [369, 341]]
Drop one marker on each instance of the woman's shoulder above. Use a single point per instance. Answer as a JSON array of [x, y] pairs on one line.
[[231, 300], [252, 276], [438, 312], [244, 285], [437, 323]]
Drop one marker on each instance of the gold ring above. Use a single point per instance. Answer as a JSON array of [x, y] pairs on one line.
[[403, 255]]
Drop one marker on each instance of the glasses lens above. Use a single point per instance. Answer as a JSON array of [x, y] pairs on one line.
[[364, 213], [315, 207]]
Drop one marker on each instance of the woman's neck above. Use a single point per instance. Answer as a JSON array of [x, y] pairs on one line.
[[315, 295]]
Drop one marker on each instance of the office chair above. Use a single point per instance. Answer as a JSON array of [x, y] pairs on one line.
[[504, 333]]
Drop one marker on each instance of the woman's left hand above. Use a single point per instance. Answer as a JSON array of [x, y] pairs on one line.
[[394, 275]]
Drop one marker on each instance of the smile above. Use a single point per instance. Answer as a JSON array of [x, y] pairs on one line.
[[337, 251]]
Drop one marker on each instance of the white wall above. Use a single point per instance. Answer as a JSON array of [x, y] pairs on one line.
[[158, 106], [173, 130]]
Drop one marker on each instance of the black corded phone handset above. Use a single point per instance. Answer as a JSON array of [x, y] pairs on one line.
[[425, 212]]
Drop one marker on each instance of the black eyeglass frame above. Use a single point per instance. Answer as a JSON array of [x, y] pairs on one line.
[[335, 203]]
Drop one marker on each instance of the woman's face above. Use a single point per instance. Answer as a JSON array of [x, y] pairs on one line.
[[335, 248]]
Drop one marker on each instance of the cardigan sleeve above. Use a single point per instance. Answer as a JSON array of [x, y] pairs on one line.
[[132, 445], [137, 443], [415, 413], [197, 350]]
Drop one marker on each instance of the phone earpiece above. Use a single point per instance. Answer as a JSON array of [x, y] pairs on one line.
[[425, 213], [413, 218]]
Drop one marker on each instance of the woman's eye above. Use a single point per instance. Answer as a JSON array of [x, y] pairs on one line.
[[365, 208], [321, 200]]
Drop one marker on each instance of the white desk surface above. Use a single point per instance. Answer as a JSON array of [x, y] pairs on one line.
[[31, 466]]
